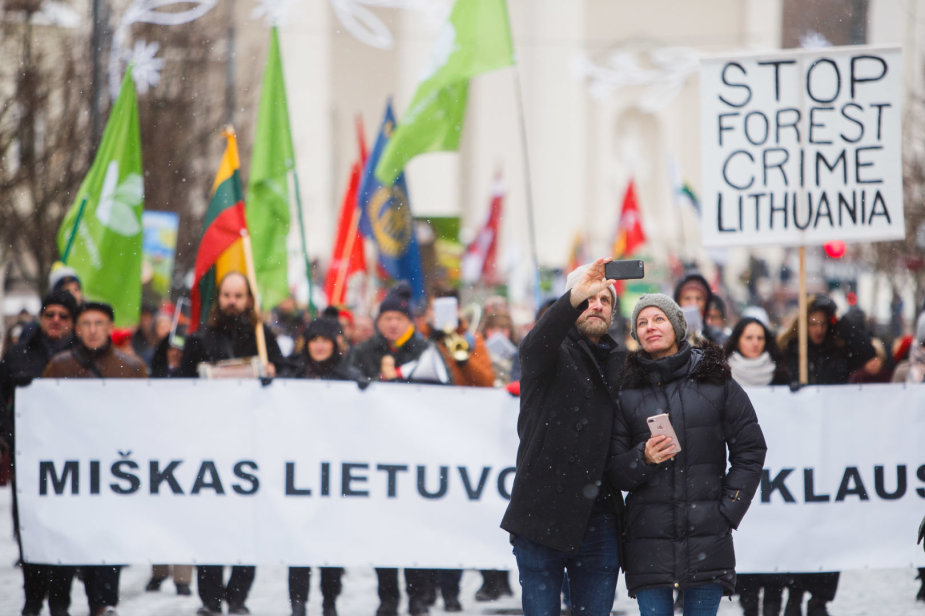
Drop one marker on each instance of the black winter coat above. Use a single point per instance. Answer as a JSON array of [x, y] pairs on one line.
[[367, 356], [680, 514], [334, 368], [566, 414], [209, 344], [21, 363], [841, 352]]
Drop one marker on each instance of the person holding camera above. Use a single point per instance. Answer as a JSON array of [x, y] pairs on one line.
[[563, 512], [467, 359], [683, 501], [396, 346]]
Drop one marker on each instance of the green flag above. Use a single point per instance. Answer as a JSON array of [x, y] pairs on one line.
[[267, 199], [476, 39], [100, 236]]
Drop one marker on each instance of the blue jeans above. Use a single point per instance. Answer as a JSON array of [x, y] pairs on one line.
[[592, 572], [698, 601]]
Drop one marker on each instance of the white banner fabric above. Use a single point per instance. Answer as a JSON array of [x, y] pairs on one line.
[[322, 473], [802, 147]]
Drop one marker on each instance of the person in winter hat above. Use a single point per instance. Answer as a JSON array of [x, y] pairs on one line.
[[62, 277], [694, 290], [396, 343], [94, 356], [711, 416], [563, 511], [21, 363], [320, 359]]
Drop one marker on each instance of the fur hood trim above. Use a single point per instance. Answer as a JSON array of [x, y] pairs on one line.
[[706, 364]]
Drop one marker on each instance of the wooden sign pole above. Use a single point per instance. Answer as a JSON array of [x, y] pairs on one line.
[[803, 320]]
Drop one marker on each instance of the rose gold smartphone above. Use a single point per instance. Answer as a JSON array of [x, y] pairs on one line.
[[660, 424]]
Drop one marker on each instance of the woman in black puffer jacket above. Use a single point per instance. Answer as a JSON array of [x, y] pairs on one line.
[[682, 507]]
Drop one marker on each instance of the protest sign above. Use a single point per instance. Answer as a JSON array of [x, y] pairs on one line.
[[309, 472], [802, 147]]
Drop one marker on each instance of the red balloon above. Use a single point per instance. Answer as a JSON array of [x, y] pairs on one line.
[[835, 249]]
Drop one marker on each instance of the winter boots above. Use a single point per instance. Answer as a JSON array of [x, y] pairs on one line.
[[494, 586], [298, 608]]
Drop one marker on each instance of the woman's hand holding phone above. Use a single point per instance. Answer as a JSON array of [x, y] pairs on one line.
[[660, 449]]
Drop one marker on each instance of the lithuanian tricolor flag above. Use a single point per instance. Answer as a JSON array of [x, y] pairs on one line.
[[221, 247]]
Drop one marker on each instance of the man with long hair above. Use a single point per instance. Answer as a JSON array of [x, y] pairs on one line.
[[229, 334]]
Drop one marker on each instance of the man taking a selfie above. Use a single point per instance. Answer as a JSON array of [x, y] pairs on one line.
[[563, 514]]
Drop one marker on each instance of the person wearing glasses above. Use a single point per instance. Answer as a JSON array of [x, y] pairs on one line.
[[93, 356], [21, 363]]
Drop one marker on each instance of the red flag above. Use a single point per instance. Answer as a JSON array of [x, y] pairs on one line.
[[479, 262], [629, 229], [348, 256]]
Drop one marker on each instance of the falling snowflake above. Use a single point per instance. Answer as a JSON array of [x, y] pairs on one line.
[[814, 40], [272, 10], [147, 67]]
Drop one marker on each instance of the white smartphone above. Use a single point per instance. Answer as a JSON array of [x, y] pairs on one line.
[[446, 314], [660, 424]]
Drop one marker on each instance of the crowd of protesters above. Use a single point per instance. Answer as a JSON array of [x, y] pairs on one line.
[[476, 346]]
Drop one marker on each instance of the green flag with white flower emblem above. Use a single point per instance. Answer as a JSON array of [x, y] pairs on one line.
[[267, 199], [475, 39], [101, 235]]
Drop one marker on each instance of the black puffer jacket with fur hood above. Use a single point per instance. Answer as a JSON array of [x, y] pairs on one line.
[[680, 514]]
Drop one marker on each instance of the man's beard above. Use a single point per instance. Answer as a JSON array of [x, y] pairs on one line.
[[232, 321], [593, 327]]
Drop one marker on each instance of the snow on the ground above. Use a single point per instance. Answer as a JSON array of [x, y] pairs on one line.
[[860, 593]]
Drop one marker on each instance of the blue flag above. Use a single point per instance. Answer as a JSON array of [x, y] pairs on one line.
[[385, 216]]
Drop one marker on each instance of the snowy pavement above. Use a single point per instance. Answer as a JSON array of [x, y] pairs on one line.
[[861, 593]]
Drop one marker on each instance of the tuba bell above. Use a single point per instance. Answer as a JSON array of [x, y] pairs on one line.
[[457, 345]]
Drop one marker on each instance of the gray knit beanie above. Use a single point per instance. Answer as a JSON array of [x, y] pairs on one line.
[[666, 305]]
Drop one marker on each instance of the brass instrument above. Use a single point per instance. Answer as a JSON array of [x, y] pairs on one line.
[[457, 345]]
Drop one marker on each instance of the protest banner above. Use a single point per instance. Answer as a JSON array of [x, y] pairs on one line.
[[802, 147], [323, 473]]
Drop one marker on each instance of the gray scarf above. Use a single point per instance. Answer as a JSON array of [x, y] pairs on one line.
[[752, 372]]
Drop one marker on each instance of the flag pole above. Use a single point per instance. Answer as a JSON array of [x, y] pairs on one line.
[[252, 281], [802, 321], [308, 265], [344, 264], [302, 241], [528, 183], [354, 220], [70, 240]]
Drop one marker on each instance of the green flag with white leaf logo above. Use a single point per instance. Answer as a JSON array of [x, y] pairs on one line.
[[475, 39], [267, 199], [101, 236]]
